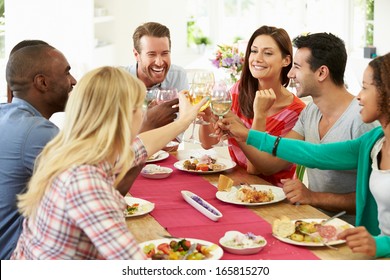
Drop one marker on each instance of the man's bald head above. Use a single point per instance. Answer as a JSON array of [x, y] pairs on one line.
[[24, 64]]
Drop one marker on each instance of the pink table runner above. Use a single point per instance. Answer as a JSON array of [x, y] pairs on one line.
[[181, 219]]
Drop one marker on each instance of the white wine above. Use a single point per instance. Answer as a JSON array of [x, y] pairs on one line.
[[196, 99], [220, 107]]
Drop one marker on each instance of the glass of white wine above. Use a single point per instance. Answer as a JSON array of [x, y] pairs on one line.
[[202, 85], [221, 102], [196, 93]]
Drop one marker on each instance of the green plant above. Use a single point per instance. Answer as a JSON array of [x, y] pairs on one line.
[[369, 22], [202, 40]]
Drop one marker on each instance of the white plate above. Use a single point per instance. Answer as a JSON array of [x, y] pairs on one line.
[[335, 222], [247, 249], [160, 155], [229, 164], [230, 197], [187, 195], [153, 171], [144, 207], [217, 253]]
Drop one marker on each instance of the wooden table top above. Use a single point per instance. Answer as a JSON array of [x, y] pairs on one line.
[[147, 228]]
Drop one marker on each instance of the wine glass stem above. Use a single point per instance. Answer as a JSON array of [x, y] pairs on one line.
[[193, 129]]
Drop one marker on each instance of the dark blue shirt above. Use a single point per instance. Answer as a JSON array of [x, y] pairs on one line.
[[23, 134]]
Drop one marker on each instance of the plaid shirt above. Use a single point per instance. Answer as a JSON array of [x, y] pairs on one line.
[[79, 217], [140, 153]]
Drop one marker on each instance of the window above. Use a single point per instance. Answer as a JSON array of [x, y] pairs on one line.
[[226, 20]]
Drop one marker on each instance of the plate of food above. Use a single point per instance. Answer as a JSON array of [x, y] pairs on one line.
[[251, 195], [137, 207], [153, 171], [160, 155], [181, 249], [204, 165], [238, 243], [309, 232]]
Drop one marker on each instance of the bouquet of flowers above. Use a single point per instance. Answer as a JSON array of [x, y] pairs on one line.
[[230, 58]]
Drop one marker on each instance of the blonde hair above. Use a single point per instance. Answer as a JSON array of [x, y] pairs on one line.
[[98, 120]]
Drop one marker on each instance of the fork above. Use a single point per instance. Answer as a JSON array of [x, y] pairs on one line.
[[320, 239], [190, 251]]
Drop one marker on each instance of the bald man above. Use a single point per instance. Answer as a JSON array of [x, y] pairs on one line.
[[40, 80], [18, 46]]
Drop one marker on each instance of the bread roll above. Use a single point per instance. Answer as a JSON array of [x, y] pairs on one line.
[[283, 227], [224, 183]]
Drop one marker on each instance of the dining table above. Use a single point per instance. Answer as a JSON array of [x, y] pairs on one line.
[[172, 216]]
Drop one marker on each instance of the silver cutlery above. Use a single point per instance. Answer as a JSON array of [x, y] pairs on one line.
[[190, 251], [333, 217]]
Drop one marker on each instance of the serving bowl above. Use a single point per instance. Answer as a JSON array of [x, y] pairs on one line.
[[239, 243]]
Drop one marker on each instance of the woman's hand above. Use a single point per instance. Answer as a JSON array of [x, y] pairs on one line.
[[263, 102], [233, 126], [187, 111], [359, 240]]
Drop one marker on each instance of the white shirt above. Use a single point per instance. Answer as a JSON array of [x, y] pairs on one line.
[[380, 189]]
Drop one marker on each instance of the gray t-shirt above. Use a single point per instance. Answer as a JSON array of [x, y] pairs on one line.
[[348, 126]]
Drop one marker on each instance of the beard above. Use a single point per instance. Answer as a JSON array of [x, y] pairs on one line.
[[154, 75]]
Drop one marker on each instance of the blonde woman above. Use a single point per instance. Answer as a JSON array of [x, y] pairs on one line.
[[72, 209]]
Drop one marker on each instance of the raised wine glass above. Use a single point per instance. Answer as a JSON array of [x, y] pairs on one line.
[[195, 95], [164, 95], [202, 85], [221, 102]]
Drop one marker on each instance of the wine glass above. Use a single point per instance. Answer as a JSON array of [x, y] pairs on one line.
[[164, 95], [204, 77], [202, 85], [196, 93], [151, 95], [221, 102]]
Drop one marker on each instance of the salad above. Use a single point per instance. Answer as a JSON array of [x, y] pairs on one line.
[[178, 250]]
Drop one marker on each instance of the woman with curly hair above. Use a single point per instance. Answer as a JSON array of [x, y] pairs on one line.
[[369, 154]]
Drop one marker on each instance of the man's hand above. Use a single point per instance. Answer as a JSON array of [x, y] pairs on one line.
[[296, 191], [159, 115]]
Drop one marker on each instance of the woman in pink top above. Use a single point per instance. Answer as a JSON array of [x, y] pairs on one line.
[[268, 59]]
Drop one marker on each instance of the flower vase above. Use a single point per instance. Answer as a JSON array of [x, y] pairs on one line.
[[230, 79]]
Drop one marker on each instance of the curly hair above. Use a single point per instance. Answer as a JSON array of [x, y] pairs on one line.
[[381, 78]]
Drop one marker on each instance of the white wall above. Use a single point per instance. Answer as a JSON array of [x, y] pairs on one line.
[[381, 26], [67, 25]]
